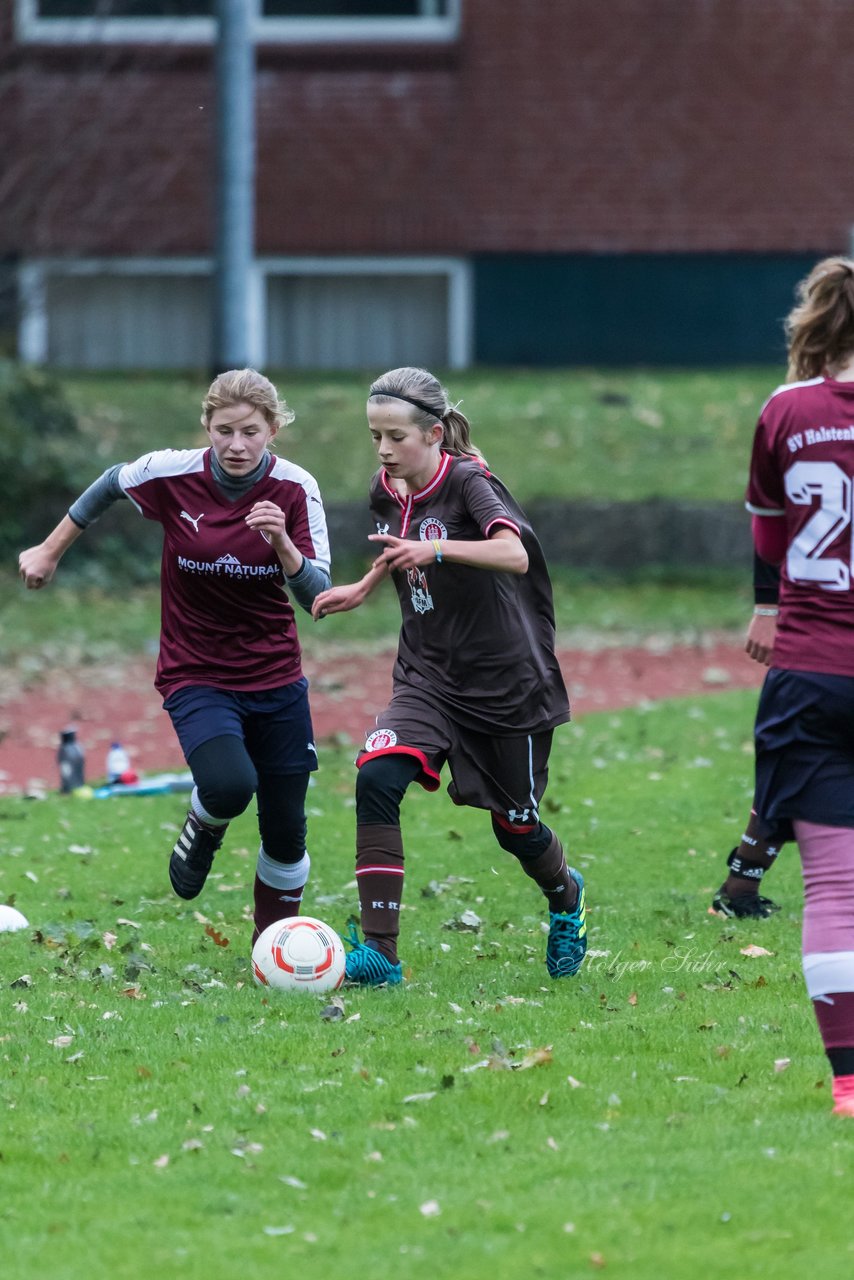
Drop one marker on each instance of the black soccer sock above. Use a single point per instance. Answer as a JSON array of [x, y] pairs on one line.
[[748, 862], [541, 857]]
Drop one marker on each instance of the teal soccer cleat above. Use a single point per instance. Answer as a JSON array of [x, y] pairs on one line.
[[366, 967], [567, 942]]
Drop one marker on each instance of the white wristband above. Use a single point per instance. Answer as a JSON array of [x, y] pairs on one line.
[[762, 611]]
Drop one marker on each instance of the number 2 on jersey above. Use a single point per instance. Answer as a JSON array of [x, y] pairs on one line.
[[827, 482]]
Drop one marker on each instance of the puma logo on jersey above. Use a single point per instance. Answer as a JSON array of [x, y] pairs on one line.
[[195, 523]]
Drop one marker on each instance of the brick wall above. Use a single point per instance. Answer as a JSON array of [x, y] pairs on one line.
[[567, 126]]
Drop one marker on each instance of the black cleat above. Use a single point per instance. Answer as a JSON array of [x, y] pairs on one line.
[[193, 856], [743, 906]]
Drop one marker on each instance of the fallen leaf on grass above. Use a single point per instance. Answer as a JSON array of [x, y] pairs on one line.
[[133, 993], [334, 1011], [420, 1097], [780, 1064], [753, 951], [536, 1058], [219, 938], [468, 922], [430, 1209], [109, 940], [61, 1042], [161, 1162], [573, 1083]]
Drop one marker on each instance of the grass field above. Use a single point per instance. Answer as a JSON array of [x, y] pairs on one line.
[[68, 625], [665, 1113], [614, 434]]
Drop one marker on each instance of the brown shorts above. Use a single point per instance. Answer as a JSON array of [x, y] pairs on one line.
[[506, 776]]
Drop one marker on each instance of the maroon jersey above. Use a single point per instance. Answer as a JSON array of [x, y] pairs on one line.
[[801, 471], [480, 643], [226, 620]]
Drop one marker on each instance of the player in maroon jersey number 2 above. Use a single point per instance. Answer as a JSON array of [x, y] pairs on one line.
[[800, 496], [242, 531], [476, 682]]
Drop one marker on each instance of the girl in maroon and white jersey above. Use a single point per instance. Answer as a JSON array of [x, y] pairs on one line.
[[801, 497], [242, 530], [477, 685]]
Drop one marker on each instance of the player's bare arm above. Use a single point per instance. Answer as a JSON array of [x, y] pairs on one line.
[[343, 599], [38, 564], [759, 643], [503, 552], [268, 518]]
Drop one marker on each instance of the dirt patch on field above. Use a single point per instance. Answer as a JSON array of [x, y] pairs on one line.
[[118, 701]]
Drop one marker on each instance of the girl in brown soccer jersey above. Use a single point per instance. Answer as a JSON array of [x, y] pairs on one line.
[[477, 685], [242, 531], [800, 494]]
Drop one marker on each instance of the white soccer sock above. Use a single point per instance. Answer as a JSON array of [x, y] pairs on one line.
[[202, 814], [282, 875], [827, 972]]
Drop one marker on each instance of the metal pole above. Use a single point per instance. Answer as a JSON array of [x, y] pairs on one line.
[[235, 184]]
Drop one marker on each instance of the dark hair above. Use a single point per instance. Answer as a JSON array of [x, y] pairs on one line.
[[820, 326], [430, 403]]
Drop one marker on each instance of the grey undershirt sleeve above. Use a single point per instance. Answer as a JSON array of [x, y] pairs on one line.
[[308, 583], [95, 500]]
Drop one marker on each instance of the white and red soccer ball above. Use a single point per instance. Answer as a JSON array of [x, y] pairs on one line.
[[11, 919], [299, 954]]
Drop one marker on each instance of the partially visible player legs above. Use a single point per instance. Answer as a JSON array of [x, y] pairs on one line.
[[225, 782], [540, 855], [739, 895], [827, 858], [283, 866], [380, 787]]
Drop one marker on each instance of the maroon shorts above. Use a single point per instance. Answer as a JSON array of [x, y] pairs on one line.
[[506, 776]]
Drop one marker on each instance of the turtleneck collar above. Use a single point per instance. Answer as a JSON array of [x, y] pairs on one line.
[[234, 487]]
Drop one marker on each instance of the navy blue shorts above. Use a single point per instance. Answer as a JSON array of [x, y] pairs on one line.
[[274, 724], [804, 751]]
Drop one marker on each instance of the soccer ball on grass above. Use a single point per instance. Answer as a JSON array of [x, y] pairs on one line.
[[299, 954]]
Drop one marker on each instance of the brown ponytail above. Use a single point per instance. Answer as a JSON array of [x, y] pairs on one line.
[[820, 327], [430, 403]]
